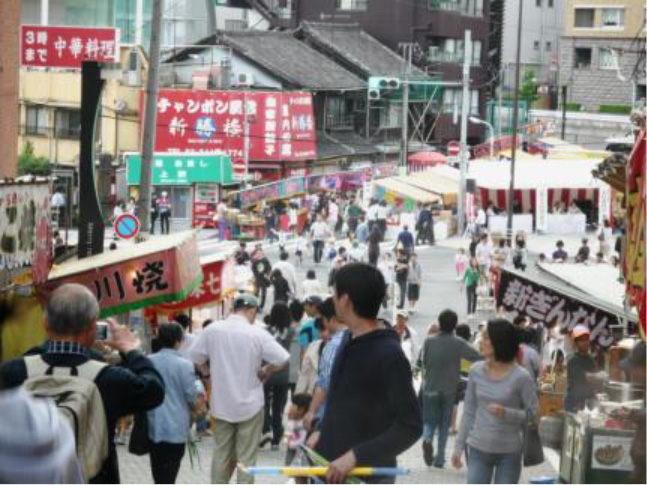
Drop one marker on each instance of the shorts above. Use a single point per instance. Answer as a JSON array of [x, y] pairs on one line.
[[413, 292]]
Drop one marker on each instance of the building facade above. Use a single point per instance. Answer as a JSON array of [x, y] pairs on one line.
[[437, 28], [183, 23], [543, 23], [602, 54]]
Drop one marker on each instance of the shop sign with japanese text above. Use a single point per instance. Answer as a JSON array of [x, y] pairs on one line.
[[181, 169], [67, 47], [25, 222], [210, 291], [276, 190], [544, 305], [280, 125], [163, 276]]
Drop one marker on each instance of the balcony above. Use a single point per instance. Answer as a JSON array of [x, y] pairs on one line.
[[439, 56], [468, 8]]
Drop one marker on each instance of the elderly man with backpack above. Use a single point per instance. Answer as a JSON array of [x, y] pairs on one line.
[[90, 394]]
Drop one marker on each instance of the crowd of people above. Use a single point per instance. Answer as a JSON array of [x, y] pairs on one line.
[[322, 368]]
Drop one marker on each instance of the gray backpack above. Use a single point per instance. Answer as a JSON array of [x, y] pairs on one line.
[[78, 400]]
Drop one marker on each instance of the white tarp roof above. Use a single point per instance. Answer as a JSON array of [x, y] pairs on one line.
[[551, 174]]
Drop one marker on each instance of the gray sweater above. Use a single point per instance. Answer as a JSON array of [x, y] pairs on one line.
[[481, 429], [441, 361]]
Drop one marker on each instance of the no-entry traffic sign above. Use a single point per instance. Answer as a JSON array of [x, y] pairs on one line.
[[453, 148], [127, 226]]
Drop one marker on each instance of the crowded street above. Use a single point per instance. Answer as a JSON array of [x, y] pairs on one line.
[[331, 241]]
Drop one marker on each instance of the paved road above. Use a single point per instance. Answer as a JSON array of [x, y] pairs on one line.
[[439, 290]]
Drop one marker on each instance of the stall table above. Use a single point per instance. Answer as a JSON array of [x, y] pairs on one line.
[[520, 222], [565, 224], [595, 455]]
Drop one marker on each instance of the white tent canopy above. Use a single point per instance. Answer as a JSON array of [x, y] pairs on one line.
[[550, 174]]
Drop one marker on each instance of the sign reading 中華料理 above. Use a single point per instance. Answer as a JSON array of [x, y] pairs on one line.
[[181, 168]]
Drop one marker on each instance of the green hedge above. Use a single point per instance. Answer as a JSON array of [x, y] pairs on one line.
[[620, 109], [573, 107]]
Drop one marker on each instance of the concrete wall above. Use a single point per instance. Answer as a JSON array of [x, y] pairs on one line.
[[587, 129], [594, 86]]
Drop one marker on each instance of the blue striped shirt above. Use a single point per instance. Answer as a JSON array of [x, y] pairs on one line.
[[325, 366]]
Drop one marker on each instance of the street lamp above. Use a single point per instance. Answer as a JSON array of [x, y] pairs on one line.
[[478, 121]]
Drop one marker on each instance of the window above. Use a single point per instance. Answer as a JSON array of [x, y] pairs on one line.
[[452, 51], [582, 57], [538, 3], [357, 5], [608, 59], [584, 18], [472, 8], [549, 46], [613, 17], [68, 123], [536, 45], [551, 3], [453, 100], [36, 120], [476, 52]]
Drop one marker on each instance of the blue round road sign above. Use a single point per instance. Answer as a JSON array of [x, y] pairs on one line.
[[127, 226]]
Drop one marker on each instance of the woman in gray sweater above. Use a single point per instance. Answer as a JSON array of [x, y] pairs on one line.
[[501, 398]]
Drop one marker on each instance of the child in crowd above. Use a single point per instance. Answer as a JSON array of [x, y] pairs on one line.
[[296, 431], [461, 264]]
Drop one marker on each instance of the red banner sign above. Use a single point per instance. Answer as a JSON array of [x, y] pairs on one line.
[[43, 46], [210, 291], [280, 124]]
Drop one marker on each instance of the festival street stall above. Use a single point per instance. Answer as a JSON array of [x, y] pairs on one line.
[[540, 187], [135, 277], [594, 442]]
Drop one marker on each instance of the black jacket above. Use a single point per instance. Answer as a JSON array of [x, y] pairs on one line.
[[131, 388], [371, 405]]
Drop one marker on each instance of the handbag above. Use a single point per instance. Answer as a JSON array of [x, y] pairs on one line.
[[139, 443], [533, 451]]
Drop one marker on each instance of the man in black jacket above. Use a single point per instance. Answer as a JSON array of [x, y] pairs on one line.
[[71, 324], [372, 413]]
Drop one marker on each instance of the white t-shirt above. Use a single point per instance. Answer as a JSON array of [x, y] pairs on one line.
[[484, 254], [236, 351], [310, 288], [480, 217], [289, 273], [319, 231], [243, 276], [382, 212], [371, 213], [333, 212]]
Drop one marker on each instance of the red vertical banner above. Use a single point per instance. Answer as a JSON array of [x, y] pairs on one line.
[[45, 46]]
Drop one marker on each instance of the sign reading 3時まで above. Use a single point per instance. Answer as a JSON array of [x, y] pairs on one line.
[[67, 47]]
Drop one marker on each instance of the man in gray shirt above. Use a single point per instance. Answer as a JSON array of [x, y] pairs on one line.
[[440, 361]]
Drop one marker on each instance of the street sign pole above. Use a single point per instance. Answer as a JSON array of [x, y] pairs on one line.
[[464, 115]]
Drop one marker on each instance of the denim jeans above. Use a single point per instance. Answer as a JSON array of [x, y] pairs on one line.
[[438, 416], [482, 467]]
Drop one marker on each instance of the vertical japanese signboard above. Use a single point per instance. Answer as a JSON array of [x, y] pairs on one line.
[[67, 47], [280, 124]]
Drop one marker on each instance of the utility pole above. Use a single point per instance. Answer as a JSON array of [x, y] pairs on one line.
[[246, 140], [564, 93], [465, 113], [407, 47], [515, 124], [211, 17], [150, 120]]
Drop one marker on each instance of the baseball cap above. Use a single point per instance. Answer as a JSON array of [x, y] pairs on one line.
[[313, 300], [580, 331], [246, 299], [402, 313], [636, 358]]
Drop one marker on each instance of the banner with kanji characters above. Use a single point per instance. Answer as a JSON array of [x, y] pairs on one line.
[[281, 125], [210, 291], [67, 47], [136, 282], [550, 307]]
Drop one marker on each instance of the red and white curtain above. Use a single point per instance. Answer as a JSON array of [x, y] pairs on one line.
[[528, 198]]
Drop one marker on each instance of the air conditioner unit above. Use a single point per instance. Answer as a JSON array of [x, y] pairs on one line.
[[133, 74], [245, 79]]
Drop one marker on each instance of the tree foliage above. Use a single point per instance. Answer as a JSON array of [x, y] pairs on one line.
[[30, 164], [528, 89]]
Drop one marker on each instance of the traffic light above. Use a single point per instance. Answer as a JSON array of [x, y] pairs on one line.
[[376, 85]]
